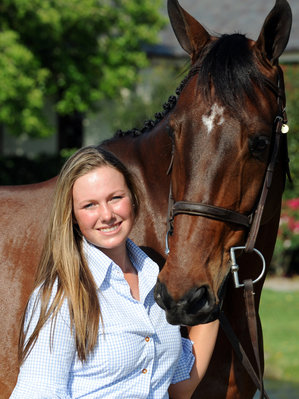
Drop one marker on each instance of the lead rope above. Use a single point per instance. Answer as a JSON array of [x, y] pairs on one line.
[[253, 331]]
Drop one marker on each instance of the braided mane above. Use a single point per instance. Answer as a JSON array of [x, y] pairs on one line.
[[149, 124], [227, 64]]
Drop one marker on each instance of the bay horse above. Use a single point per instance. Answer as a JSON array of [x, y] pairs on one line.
[[211, 145]]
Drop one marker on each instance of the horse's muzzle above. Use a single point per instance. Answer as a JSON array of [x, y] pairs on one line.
[[197, 306]]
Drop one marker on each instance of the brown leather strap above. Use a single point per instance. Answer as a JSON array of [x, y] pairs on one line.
[[238, 348], [169, 221], [253, 331], [212, 211], [266, 185], [171, 159], [252, 325]]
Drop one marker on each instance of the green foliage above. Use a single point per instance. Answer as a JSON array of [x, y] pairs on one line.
[[79, 51], [279, 315], [22, 88], [286, 253], [291, 74], [135, 106]]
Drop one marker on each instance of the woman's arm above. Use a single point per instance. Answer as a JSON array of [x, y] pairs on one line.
[[204, 337], [45, 372]]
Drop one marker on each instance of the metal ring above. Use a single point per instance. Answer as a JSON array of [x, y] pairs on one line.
[[166, 243], [235, 267]]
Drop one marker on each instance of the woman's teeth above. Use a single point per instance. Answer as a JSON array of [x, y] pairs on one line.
[[108, 229]]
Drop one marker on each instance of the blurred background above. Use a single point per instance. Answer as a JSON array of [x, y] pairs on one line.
[[73, 72]]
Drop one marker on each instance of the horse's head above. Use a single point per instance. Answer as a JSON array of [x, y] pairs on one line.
[[223, 129]]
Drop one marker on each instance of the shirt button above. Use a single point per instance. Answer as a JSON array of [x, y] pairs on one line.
[[147, 339], [144, 371]]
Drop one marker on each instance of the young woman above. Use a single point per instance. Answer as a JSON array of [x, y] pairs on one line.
[[91, 328]]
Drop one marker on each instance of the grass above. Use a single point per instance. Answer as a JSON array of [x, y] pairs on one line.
[[279, 312]]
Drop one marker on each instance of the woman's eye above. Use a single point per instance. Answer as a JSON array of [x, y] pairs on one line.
[[88, 206], [117, 197]]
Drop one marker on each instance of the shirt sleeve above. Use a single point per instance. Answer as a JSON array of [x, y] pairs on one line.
[[45, 372], [185, 363]]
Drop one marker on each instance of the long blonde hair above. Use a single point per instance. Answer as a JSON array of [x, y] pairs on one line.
[[62, 260]]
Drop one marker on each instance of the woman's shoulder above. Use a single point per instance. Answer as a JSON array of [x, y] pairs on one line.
[[40, 291], [42, 296]]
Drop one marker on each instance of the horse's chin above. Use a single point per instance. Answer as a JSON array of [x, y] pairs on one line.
[[192, 320]]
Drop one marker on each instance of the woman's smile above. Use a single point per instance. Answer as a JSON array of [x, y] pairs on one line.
[[109, 229], [103, 209]]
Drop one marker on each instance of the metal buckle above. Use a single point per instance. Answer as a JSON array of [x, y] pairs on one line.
[[235, 266]]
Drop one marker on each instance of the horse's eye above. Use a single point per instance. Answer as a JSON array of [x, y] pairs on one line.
[[259, 145], [170, 132]]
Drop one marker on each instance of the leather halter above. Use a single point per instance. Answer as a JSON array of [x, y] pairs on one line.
[[253, 220]]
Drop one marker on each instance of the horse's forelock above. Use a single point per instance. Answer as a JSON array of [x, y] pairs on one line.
[[229, 66]]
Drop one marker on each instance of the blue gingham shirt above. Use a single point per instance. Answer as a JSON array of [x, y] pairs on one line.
[[138, 354]]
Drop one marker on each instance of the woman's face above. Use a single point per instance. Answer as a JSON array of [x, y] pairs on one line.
[[103, 209]]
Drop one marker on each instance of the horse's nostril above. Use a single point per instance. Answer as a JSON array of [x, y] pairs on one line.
[[161, 296], [193, 308], [198, 300]]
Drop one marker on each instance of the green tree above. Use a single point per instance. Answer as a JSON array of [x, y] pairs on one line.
[[292, 92], [22, 88], [133, 107], [76, 51]]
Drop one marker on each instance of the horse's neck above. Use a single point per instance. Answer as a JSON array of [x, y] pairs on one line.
[[148, 157]]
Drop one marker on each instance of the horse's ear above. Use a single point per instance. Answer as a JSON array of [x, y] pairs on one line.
[[191, 35], [275, 32]]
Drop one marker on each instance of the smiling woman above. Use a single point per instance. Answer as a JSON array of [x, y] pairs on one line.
[[104, 212], [103, 208], [91, 326]]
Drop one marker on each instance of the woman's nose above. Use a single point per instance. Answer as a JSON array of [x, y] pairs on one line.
[[105, 213]]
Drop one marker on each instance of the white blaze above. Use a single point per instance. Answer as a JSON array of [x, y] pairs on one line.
[[216, 116]]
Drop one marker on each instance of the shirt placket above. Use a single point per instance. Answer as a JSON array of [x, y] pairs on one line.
[[146, 369]]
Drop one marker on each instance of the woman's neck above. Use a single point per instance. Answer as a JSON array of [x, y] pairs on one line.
[[121, 258]]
